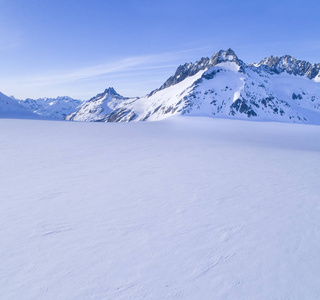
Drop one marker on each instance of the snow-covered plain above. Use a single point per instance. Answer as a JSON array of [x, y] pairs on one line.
[[186, 208]]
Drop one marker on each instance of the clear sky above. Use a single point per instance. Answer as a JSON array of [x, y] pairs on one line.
[[80, 47]]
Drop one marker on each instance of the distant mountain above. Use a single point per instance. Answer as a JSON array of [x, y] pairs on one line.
[[10, 108], [276, 89], [291, 65], [100, 106], [51, 108]]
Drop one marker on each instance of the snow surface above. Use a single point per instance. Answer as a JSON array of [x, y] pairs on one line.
[[186, 208], [169, 97]]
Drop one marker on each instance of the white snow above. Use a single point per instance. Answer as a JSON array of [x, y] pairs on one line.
[[186, 208], [231, 66], [168, 97], [317, 78], [236, 95]]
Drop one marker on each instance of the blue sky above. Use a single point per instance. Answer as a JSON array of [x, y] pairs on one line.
[[80, 47]]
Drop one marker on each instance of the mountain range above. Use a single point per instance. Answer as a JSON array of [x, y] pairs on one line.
[[275, 89], [51, 108]]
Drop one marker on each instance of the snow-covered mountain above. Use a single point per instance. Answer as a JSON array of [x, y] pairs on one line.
[[52, 108], [275, 89], [100, 106], [10, 108]]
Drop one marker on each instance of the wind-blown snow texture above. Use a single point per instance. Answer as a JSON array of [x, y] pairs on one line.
[[276, 89], [187, 208]]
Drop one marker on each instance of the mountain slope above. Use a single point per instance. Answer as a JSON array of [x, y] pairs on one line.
[[276, 89], [10, 108]]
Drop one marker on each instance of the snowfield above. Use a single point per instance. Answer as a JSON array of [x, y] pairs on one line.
[[186, 208]]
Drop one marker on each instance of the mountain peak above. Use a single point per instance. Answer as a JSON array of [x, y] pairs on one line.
[[269, 61], [190, 69], [110, 91], [98, 107], [291, 65], [224, 56], [229, 51]]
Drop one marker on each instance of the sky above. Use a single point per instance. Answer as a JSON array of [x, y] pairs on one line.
[[78, 48]]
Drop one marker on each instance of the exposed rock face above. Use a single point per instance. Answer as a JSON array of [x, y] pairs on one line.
[[291, 65], [190, 69]]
